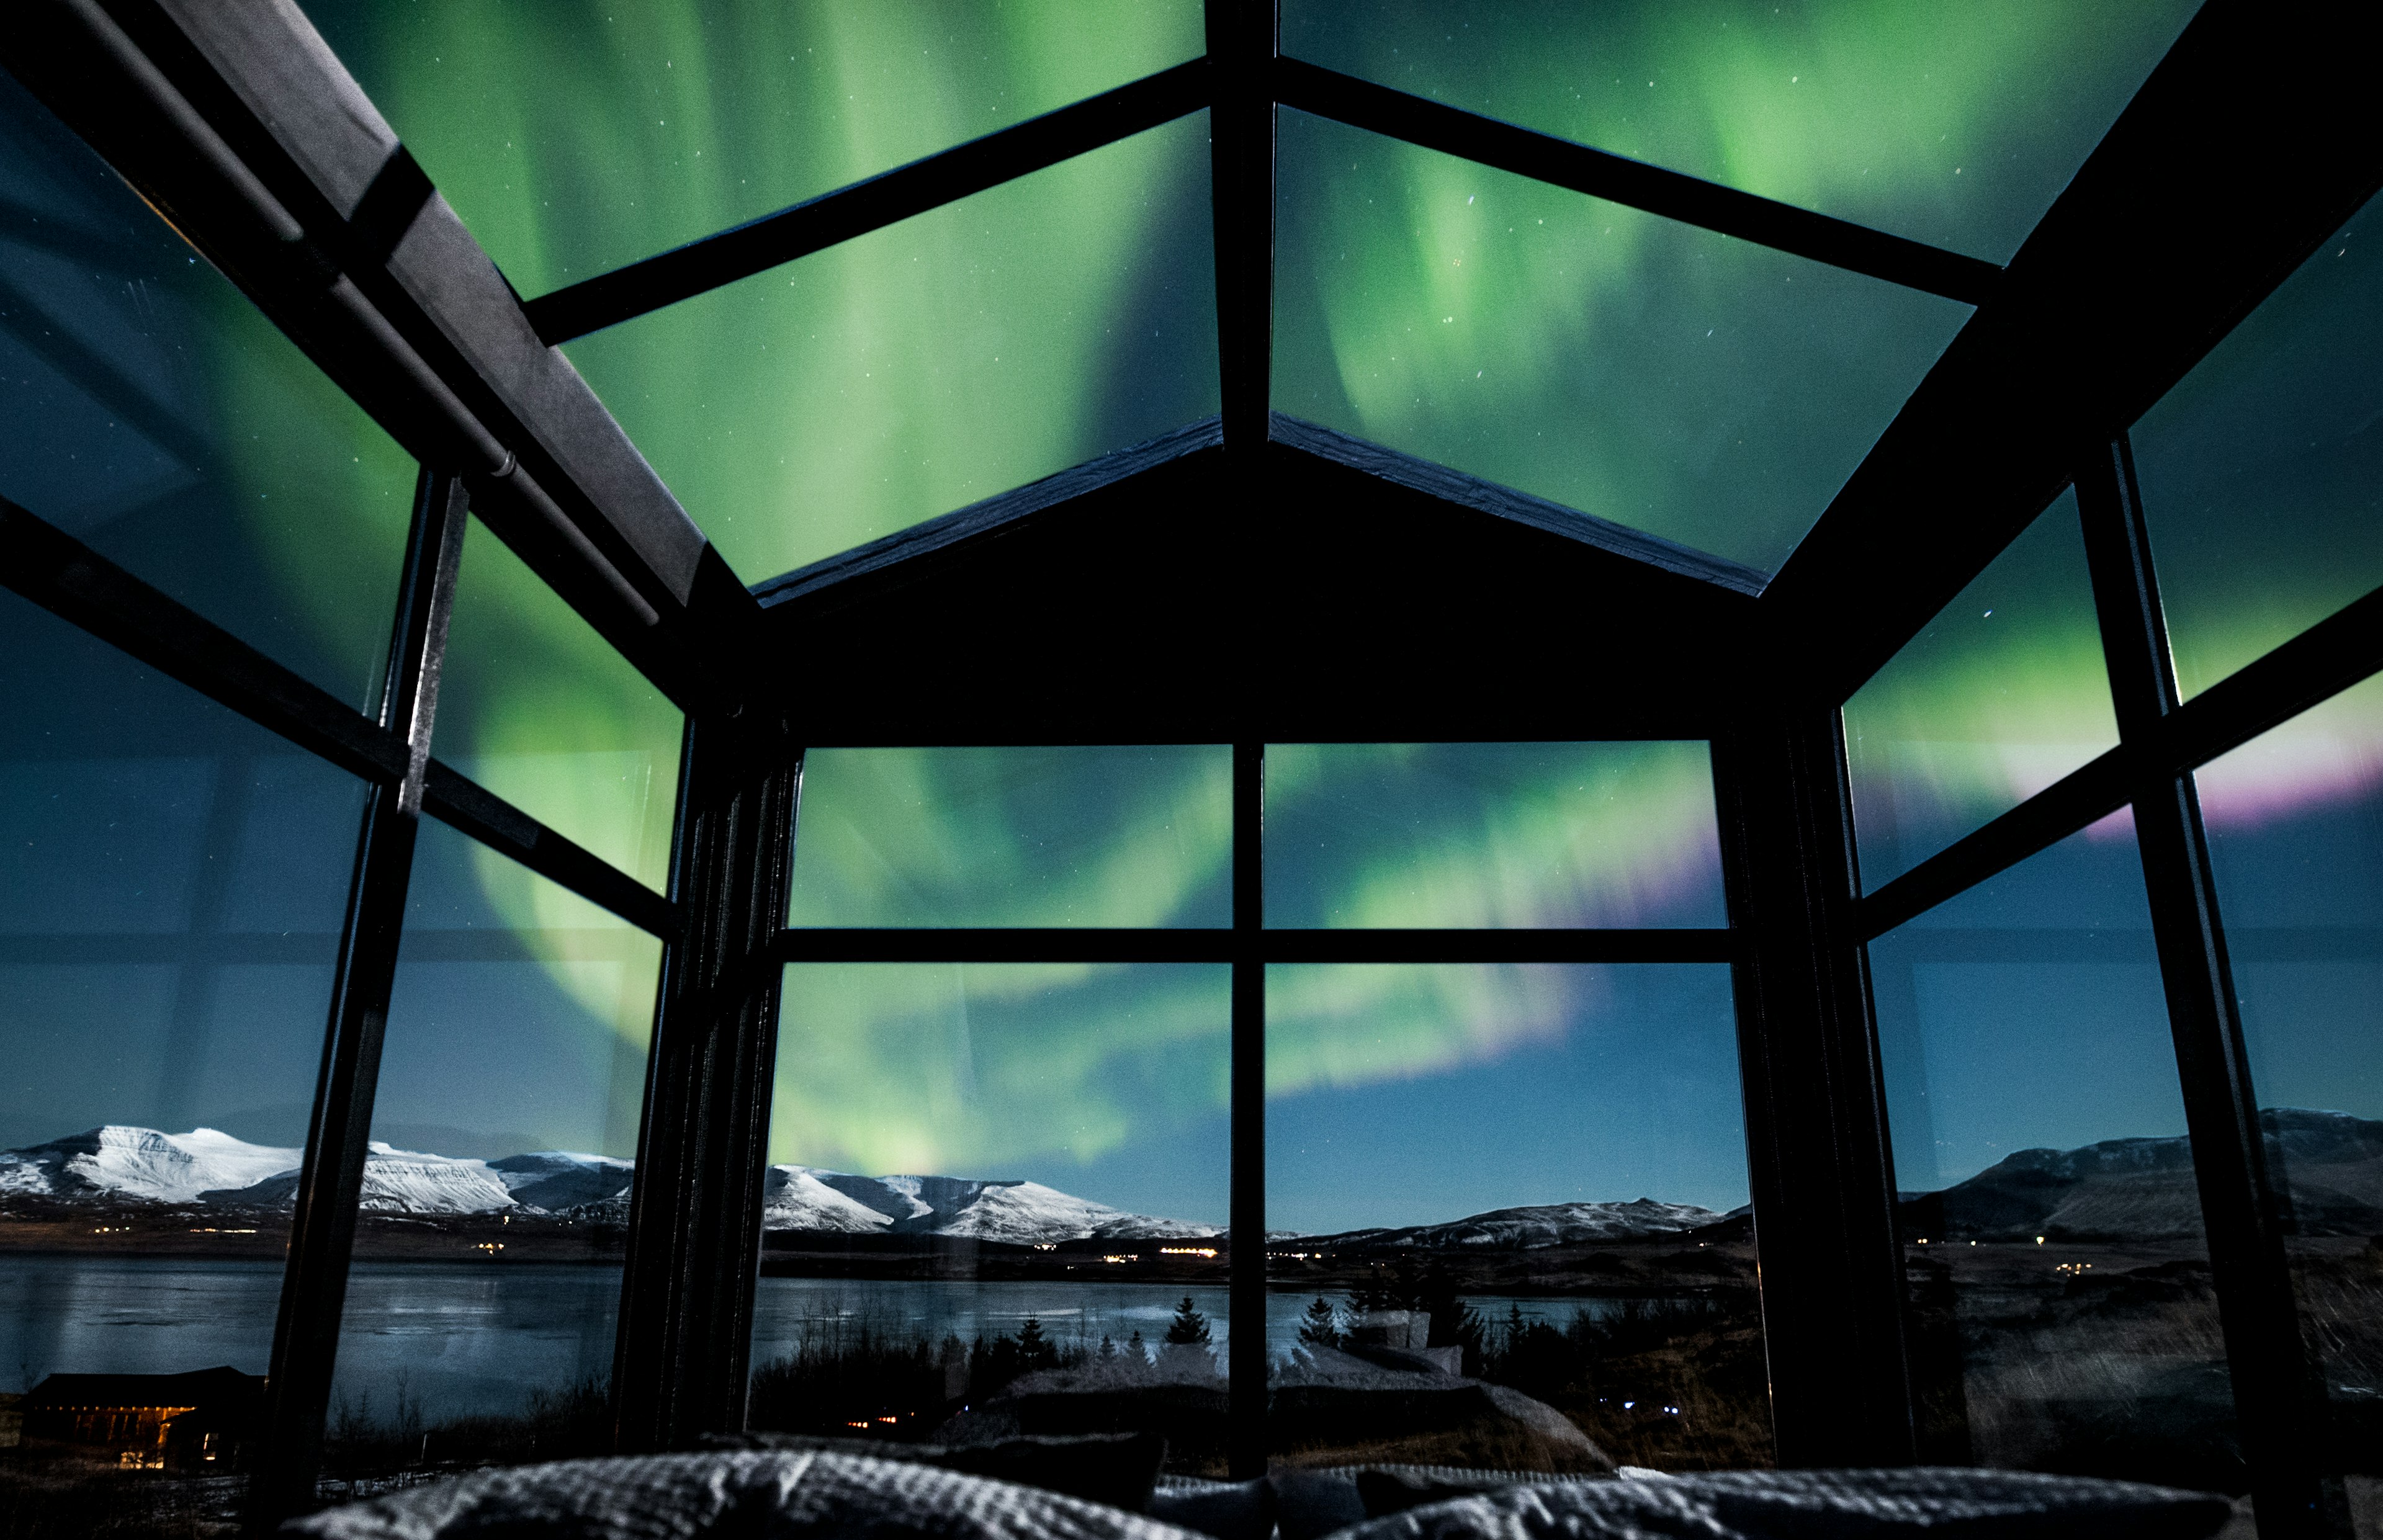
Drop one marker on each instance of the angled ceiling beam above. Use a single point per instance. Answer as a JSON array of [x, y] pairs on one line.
[[1673, 194], [239, 125], [2250, 143], [818, 223]]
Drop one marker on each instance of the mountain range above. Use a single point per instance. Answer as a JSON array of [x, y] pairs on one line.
[[2330, 1163], [212, 1170], [2123, 1188]]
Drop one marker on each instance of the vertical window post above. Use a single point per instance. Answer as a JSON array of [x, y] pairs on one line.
[[1246, 1360], [1817, 1154], [331, 1180], [2277, 1394], [694, 1217]]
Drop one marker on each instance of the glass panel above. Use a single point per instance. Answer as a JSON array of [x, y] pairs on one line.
[[1532, 1177], [2062, 1313], [2262, 472], [1707, 390], [172, 882], [1015, 836], [151, 411], [480, 1310], [2002, 695], [1465, 835], [1947, 124], [997, 1206], [931, 364], [573, 143], [537, 707], [2295, 822]]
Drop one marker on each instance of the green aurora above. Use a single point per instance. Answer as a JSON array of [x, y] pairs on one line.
[[854, 393]]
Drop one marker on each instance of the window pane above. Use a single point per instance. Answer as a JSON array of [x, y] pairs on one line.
[[2262, 472], [1707, 390], [997, 1206], [1946, 124], [2295, 822], [538, 708], [1531, 1176], [480, 1308], [932, 363], [1520, 835], [2062, 1313], [574, 141], [1015, 836], [172, 882], [151, 411], [2002, 695]]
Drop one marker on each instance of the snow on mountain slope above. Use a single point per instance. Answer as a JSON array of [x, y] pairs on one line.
[[1027, 1214], [554, 1180], [794, 1198], [140, 1163]]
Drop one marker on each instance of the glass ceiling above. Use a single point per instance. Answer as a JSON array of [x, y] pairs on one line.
[[1708, 390], [576, 138], [1955, 125], [931, 364], [1701, 388]]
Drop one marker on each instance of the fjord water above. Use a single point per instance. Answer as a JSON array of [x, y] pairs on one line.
[[477, 1339]]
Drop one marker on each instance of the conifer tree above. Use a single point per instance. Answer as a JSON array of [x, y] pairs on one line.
[[1034, 1349], [1188, 1327], [1320, 1328], [1134, 1348]]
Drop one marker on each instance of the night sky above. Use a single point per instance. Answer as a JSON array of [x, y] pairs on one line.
[[171, 879]]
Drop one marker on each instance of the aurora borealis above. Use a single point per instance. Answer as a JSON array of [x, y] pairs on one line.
[[1701, 388]]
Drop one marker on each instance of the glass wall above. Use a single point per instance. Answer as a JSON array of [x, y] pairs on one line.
[[2262, 471], [2058, 1280], [997, 1206], [487, 1280], [172, 882], [1528, 837], [1997, 697], [148, 410], [1507, 1219], [537, 707], [1015, 836], [2295, 822]]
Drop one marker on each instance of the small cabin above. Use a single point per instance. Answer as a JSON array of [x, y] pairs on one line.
[[148, 1422]]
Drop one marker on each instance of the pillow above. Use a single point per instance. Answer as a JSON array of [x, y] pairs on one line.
[[1119, 1469], [1311, 1503], [1818, 1505], [747, 1495]]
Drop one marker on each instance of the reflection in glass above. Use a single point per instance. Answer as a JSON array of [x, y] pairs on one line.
[[151, 413], [1707, 390], [997, 1206], [932, 363], [172, 883], [2062, 1313], [2295, 822], [1530, 1178], [2262, 471], [1999, 696], [574, 139], [1464, 835], [538, 708], [1946, 124], [1015, 836], [480, 1308]]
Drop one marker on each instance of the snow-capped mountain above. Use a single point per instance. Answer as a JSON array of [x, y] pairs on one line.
[[1022, 1213], [1543, 1224], [209, 1168], [140, 1163]]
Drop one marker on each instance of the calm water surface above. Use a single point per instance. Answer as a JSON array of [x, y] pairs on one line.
[[467, 1338]]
